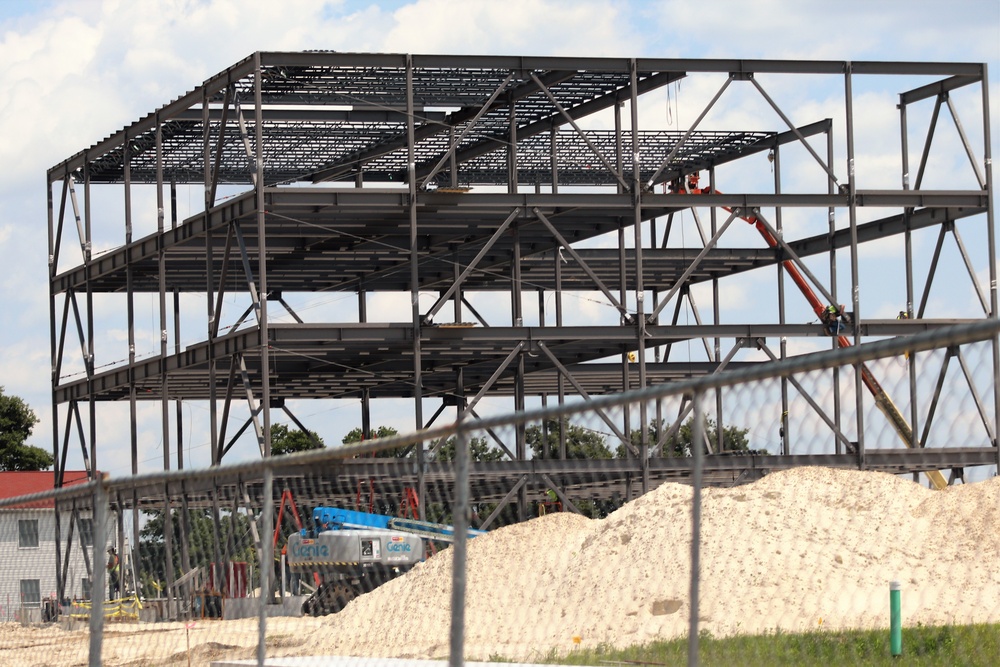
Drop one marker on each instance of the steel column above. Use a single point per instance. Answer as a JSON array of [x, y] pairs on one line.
[[991, 243], [415, 285], [855, 301]]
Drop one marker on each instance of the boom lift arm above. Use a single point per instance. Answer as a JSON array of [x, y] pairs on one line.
[[335, 518], [830, 316]]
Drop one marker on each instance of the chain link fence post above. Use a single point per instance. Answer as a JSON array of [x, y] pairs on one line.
[[697, 442], [100, 584], [266, 562], [460, 517]]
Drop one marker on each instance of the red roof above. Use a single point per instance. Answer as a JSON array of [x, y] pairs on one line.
[[24, 482]]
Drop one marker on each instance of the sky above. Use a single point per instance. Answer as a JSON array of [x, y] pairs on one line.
[[75, 72]]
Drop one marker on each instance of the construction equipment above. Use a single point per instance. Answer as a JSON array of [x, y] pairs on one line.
[[834, 318], [353, 552]]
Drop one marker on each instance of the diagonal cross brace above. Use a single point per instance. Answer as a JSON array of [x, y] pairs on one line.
[[465, 131], [673, 151], [496, 438], [443, 299], [583, 393], [496, 374], [798, 134], [815, 406], [657, 450], [691, 267], [583, 265], [796, 260], [580, 132]]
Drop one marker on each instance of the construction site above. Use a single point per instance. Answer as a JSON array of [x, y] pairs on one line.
[[330, 240]]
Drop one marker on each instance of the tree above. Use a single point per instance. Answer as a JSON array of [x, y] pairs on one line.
[[479, 450], [581, 443], [285, 440], [16, 423], [356, 435], [734, 438]]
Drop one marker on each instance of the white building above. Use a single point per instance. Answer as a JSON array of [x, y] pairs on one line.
[[28, 548]]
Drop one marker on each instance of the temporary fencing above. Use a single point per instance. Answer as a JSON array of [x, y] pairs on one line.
[[208, 567]]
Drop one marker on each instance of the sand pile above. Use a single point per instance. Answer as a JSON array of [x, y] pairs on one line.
[[799, 550]]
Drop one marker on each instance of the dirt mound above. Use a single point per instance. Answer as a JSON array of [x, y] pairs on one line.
[[799, 550]]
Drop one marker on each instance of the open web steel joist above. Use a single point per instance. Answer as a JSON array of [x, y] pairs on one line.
[[308, 231]]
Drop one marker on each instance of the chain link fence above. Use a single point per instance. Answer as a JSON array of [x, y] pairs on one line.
[[757, 502]]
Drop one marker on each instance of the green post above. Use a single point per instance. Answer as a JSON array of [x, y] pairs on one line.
[[895, 620]]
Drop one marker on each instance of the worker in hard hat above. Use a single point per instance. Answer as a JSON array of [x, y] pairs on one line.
[[114, 568], [831, 319]]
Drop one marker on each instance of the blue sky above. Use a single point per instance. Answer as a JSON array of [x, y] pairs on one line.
[[77, 71]]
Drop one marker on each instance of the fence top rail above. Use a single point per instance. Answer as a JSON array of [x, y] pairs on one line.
[[960, 334]]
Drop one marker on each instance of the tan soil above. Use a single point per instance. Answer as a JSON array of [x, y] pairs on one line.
[[799, 550]]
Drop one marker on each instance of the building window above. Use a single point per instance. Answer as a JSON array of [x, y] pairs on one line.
[[85, 585], [31, 593], [87, 532], [27, 533]]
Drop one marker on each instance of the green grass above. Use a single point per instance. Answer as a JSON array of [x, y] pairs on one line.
[[944, 646]]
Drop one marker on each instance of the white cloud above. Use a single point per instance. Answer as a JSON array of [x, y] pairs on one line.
[[516, 27]]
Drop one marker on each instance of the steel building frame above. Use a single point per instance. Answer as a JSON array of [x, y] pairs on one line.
[[458, 175]]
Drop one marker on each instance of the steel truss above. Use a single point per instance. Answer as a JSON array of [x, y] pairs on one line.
[[460, 176]]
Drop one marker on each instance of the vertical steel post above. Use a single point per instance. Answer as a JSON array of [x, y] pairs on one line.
[[832, 226], [908, 243], [411, 177], [456, 273], [179, 403], [98, 587], [54, 377], [640, 287], [88, 254], [554, 157], [716, 316], [266, 553], [211, 315], [992, 253], [178, 422], [130, 315], [855, 287], [265, 360], [557, 264], [622, 270], [783, 347], [162, 283], [366, 400], [697, 442], [560, 380], [89, 310], [460, 547], [130, 309], [178, 417], [267, 518], [517, 310], [217, 533], [168, 527]]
